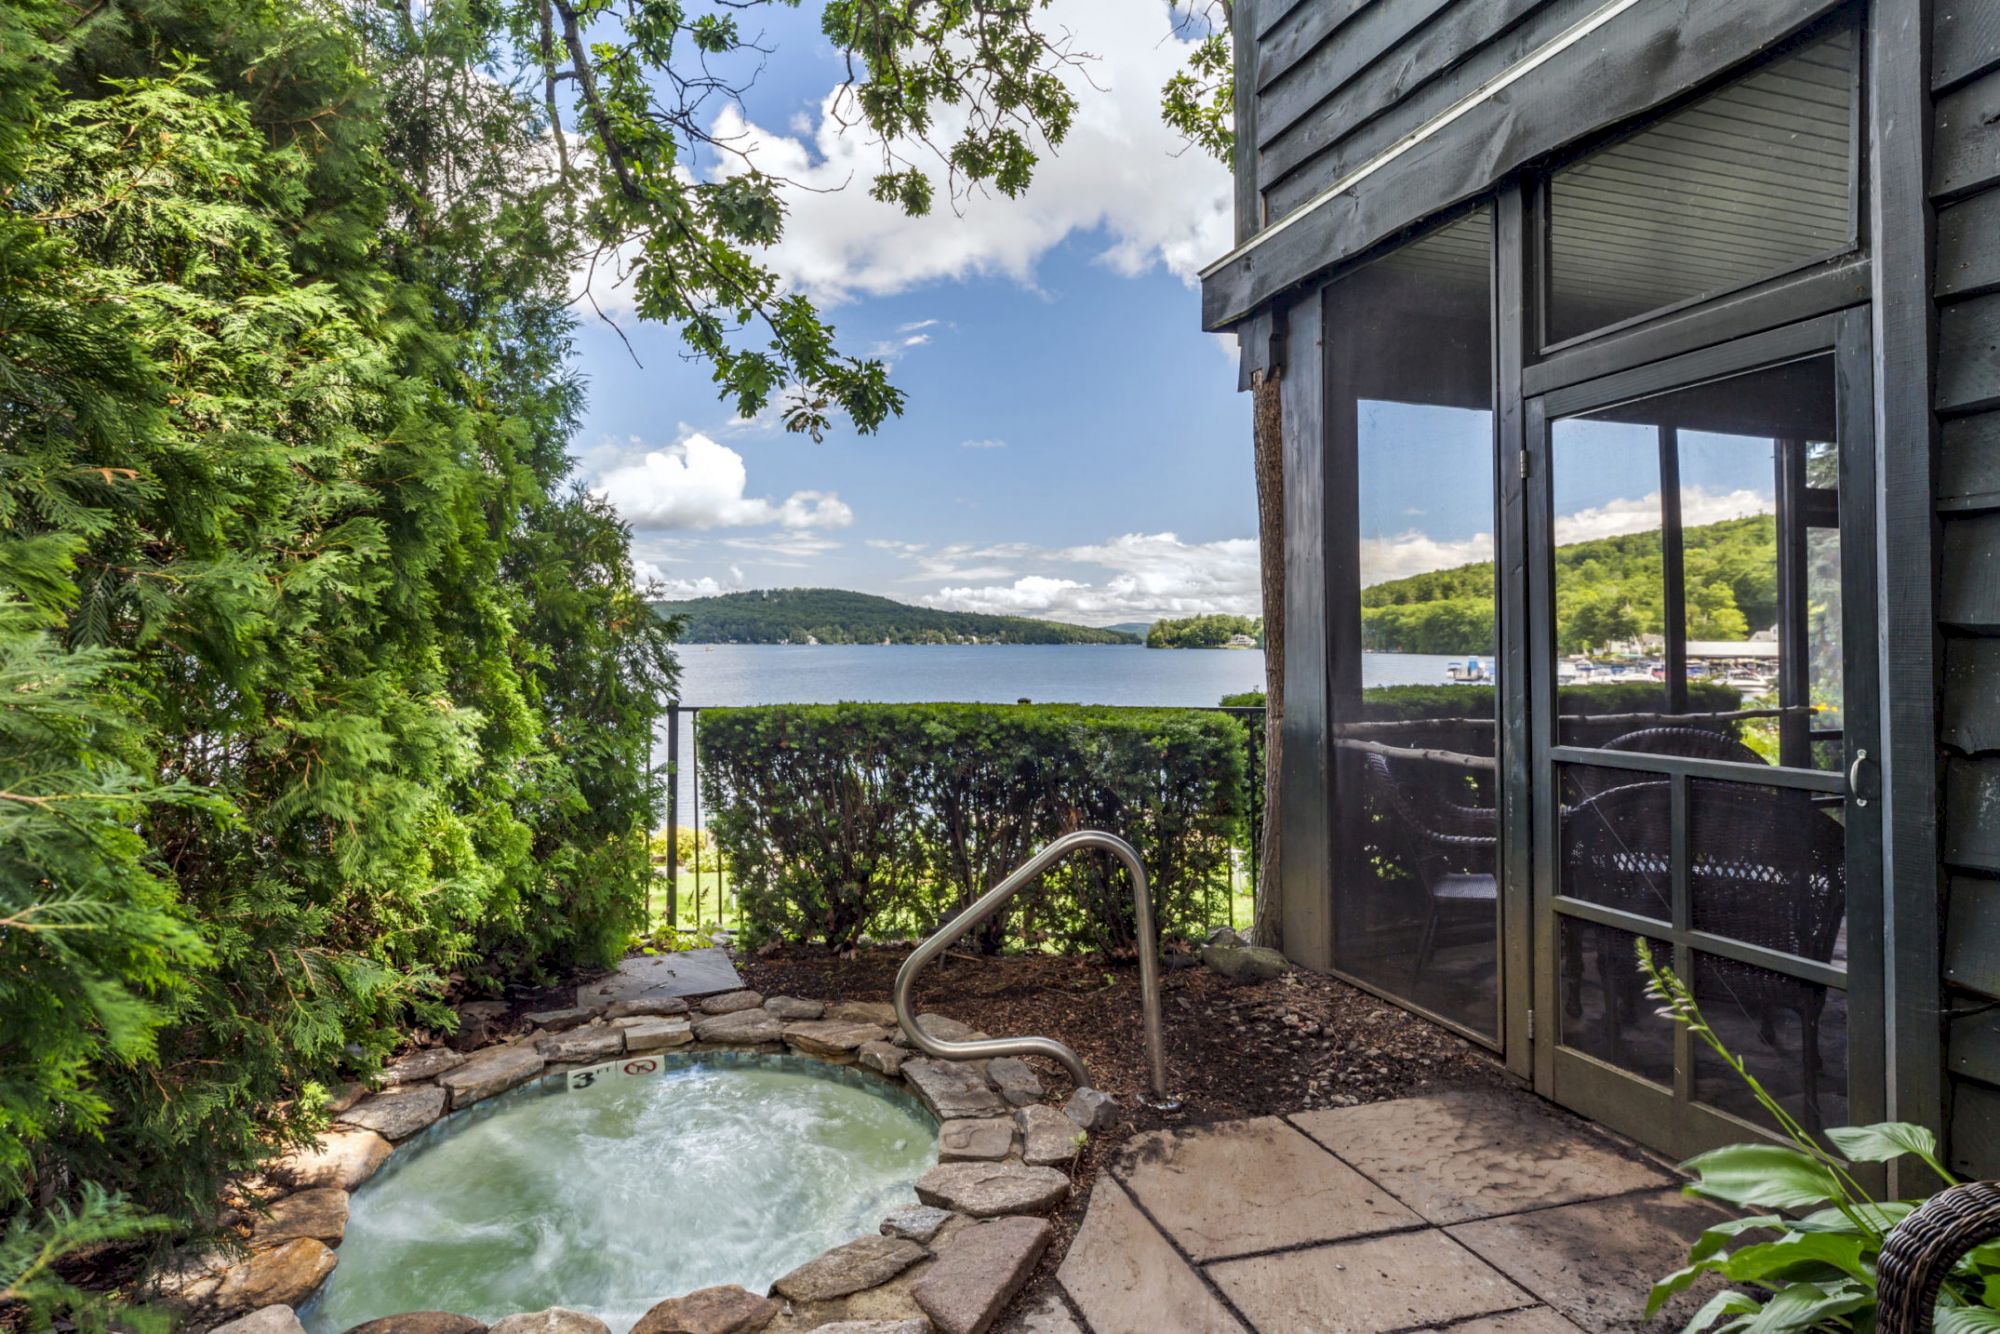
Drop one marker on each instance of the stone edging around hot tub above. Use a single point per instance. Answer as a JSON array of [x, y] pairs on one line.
[[950, 1263]]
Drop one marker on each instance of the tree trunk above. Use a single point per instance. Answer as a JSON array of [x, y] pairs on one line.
[[1269, 460]]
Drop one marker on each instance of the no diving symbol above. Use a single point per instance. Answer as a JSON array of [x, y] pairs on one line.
[[641, 1067]]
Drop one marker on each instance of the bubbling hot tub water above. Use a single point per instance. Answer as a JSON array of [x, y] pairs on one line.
[[610, 1198]]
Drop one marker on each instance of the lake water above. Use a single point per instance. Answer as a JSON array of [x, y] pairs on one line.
[[733, 674]]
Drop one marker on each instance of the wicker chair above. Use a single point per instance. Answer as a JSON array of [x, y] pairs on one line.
[[1451, 847], [1769, 869], [1692, 743], [1921, 1250]]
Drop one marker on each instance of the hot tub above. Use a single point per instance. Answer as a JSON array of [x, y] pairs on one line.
[[606, 1194]]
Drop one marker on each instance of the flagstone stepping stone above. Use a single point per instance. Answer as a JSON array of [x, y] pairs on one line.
[[270, 1320], [741, 1027], [731, 1002], [1093, 1109], [343, 1158], [1040, 1313], [584, 1045], [979, 1272], [883, 1057], [646, 1005], [703, 972], [728, 1309], [942, 1027], [422, 1322], [282, 1276], [419, 1066], [399, 1113], [791, 1007], [574, 1016], [320, 1213], [1016, 1079], [831, 1038], [479, 1023], [979, 1139], [555, 1320], [863, 1012], [915, 1222], [1047, 1136], [918, 1326], [865, 1262], [492, 1071], [987, 1190], [950, 1090], [647, 1034]]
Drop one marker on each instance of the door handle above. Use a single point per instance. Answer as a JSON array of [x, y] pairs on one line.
[[1854, 772]]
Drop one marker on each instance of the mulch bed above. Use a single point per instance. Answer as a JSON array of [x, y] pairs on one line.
[[1233, 1049]]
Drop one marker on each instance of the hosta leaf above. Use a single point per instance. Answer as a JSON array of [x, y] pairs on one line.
[[1966, 1320], [1720, 1305], [1711, 1241], [1804, 1306], [1803, 1255], [1674, 1284], [1881, 1216], [1887, 1141], [1768, 1176]]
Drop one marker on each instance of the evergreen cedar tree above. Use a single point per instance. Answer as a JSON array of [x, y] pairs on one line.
[[322, 686]]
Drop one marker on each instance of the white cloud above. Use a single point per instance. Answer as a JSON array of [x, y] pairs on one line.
[[699, 484], [1388, 558], [914, 325], [982, 444], [1120, 169], [1639, 514], [1143, 576], [916, 340], [658, 585]]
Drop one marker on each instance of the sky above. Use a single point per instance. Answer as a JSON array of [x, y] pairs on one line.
[[1073, 444]]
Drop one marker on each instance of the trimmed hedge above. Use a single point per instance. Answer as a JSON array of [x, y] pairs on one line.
[[841, 820]]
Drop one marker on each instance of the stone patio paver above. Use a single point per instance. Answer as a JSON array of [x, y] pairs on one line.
[[1368, 1286], [1468, 1154], [1126, 1277], [1532, 1320], [1595, 1261], [1479, 1211], [1252, 1186]]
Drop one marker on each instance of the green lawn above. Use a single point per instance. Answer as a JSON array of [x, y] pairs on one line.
[[710, 901]]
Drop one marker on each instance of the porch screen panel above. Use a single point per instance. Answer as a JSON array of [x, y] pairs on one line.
[[1411, 505], [1699, 733]]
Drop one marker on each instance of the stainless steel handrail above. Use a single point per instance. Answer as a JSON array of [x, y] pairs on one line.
[[986, 906]]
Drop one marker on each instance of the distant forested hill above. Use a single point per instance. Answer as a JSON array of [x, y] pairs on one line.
[[1607, 590], [833, 616]]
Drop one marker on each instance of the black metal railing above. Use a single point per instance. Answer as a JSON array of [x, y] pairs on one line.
[[1244, 862]]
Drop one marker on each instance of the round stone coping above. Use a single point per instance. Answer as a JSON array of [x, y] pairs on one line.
[[916, 1084], [555, 1082]]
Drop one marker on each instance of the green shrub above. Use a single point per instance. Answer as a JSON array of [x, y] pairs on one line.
[[840, 820]]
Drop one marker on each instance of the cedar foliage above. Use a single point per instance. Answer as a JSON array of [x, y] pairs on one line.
[[321, 687]]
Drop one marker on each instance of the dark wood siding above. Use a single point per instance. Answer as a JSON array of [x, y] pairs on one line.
[[1965, 186], [1339, 82]]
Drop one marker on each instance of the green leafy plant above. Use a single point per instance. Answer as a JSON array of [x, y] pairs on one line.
[[840, 820], [1811, 1238]]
